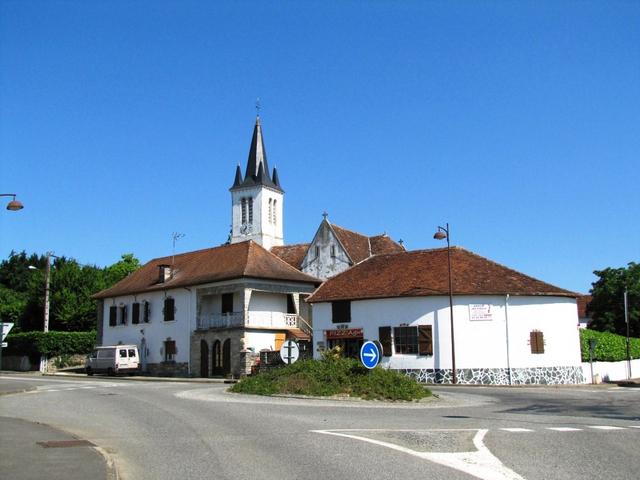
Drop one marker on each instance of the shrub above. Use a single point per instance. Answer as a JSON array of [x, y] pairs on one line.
[[50, 343], [610, 347], [333, 375]]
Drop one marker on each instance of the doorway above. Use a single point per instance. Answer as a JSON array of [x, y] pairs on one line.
[[226, 357], [216, 360], [204, 359]]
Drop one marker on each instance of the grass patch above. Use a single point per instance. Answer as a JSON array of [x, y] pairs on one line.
[[333, 376]]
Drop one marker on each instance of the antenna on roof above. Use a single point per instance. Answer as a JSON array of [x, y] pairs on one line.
[[175, 236]]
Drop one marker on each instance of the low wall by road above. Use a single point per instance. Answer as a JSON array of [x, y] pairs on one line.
[[611, 371]]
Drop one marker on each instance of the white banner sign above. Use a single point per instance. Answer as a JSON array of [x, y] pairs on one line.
[[480, 311]]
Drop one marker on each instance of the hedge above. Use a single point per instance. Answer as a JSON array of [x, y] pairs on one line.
[[610, 347], [50, 343]]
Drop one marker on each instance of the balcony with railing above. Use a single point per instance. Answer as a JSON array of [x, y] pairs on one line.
[[268, 320]]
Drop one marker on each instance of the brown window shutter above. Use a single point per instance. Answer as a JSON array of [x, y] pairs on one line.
[[113, 312], [533, 340], [425, 340], [135, 313], [384, 335], [540, 341], [147, 312], [170, 347]]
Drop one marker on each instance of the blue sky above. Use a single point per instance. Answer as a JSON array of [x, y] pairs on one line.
[[516, 122]]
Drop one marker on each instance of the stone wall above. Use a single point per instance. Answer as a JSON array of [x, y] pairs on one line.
[[500, 376], [238, 360], [168, 369]]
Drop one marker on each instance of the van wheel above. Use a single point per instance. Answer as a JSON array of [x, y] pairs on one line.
[[110, 372], [89, 371]]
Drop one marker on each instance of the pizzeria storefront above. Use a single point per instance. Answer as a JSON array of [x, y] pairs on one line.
[[348, 339]]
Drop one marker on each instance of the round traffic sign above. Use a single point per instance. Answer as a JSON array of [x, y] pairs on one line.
[[289, 352], [369, 354]]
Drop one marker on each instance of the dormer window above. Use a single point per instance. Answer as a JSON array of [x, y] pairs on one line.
[[164, 273]]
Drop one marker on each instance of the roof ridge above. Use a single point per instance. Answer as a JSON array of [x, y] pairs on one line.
[[292, 245], [194, 251], [347, 230]]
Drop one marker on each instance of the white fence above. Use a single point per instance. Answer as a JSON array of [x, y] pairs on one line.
[[276, 320], [611, 371]]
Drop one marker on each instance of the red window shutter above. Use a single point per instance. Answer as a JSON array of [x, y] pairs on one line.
[[425, 340], [384, 335]]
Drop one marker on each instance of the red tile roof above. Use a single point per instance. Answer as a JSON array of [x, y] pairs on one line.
[[384, 244], [292, 254], [425, 273], [237, 260], [583, 302]]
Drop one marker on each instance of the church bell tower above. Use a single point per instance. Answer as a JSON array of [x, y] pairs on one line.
[[256, 199]]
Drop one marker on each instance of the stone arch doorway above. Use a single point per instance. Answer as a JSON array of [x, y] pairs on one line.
[[216, 359], [204, 359], [226, 357]]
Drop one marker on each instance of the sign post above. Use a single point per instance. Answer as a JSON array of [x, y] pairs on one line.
[[369, 354], [289, 352], [5, 327]]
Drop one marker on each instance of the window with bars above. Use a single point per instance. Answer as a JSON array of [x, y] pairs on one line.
[[169, 310], [536, 340], [407, 340], [135, 313], [170, 350]]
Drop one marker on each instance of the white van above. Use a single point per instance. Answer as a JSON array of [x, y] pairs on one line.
[[113, 359]]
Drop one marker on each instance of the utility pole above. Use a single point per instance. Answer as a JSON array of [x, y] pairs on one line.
[[626, 319], [47, 283]]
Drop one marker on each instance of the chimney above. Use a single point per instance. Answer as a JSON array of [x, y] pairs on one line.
[[164, 273]]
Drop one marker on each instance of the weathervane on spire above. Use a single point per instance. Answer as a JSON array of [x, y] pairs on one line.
[[258, 106]]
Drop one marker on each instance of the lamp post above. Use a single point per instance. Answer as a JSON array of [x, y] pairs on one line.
[[47, 282], [13, 206], [441, 234]]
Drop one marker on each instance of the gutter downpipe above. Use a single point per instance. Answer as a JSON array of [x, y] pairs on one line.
[[506, 318]]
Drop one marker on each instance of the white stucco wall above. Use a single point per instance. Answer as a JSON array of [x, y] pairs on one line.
[[479, 344], [611, 371], [157, 330], [268, 302]]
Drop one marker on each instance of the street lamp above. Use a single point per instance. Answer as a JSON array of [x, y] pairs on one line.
[[47, 281], [13, 204], [441, 234]]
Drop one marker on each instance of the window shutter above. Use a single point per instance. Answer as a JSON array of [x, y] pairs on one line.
[[113, 312], [536, 339], [384, 336], [124, 314], [147, 312], [169, 309], [341, 311], [170, 347], [425, 340], [135, 313]]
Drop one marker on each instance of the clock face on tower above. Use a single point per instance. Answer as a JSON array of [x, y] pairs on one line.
[[246, 228]]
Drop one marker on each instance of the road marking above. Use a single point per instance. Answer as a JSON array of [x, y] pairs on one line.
[[564, 429], [517, 430], [605, 427], [634, 426], [480, 464]]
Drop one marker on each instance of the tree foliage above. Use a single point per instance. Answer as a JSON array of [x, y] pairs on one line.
[[607, 305], [22, 290]]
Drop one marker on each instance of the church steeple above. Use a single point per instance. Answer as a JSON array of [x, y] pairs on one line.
[[256, 161], [256, 199]]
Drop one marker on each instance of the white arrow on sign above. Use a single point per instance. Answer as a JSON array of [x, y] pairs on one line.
[[6, 328], [371, 355]]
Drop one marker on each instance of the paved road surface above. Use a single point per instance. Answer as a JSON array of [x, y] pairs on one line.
[[192, 431]]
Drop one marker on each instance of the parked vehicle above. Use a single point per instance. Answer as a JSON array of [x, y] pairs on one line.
[[113, 359]]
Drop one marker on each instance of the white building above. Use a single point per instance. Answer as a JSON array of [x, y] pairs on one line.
[[508, 328], [210, 312]]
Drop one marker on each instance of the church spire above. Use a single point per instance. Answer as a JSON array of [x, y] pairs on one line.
[[256, 161]]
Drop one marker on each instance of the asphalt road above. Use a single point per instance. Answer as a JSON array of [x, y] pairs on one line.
[[156, 430]]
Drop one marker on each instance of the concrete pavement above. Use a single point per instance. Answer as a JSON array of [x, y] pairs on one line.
[[29, 449]]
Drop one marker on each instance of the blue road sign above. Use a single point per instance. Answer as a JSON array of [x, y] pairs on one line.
[[369, 354]]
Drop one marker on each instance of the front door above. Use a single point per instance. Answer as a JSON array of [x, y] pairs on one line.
[[226, 357], [204, 359]]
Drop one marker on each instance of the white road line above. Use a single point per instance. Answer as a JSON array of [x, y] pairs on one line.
[[517, 430], [480, 464], [634, 426], [605, 427], [564, 429]]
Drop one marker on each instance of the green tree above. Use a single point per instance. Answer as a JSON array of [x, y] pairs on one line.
[[607, 306], [71, 287]]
